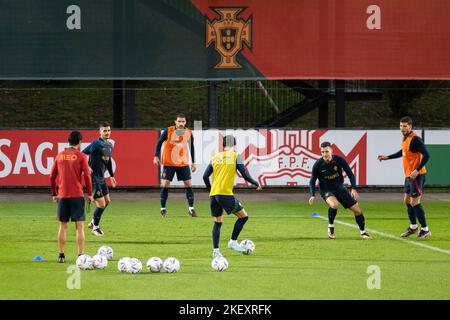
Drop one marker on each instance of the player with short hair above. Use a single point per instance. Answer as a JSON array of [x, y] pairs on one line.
[[328, 170], [415, 156], [100, 160], [223, 168], [175, 159], [69, 167]]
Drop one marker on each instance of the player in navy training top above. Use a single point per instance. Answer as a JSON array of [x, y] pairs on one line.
[[100, 160], [328, 170]]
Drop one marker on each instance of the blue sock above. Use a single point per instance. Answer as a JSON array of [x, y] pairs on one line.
[[411, 214], [190, 196], [420, 213], [98, 215], [238, 225], [331, 215], [216, 234], [360, 221], [164, 196]]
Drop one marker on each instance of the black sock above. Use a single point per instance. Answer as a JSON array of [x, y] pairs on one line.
[[164, 196], [420, 213], [61, 254], [360, 221], [411, 214], [216, 234], [98, 215], [238, 225], [190, 196], [331, 215]]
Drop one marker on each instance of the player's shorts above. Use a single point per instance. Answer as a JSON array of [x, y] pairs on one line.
[[183, 173], [228, 203], [342, 195], [71, 209], [414, 188], [99, 188]]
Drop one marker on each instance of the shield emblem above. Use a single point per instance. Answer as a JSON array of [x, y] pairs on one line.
[[228, 36]]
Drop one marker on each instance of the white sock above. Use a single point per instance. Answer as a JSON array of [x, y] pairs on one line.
[[331, 226], [216, 250], [233, 241], [425, 229], [191, 208], [413, 226], [362, 231], [163, 208]]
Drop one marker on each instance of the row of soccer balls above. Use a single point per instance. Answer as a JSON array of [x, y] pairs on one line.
[[154, 264]]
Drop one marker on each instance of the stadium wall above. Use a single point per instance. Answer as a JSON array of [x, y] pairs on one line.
[[276, 157]]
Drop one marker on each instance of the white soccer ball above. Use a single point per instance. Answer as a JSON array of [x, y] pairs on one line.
[[171, 265], [154, 264], [249, 245], [99, 261], [84, 262], [135, 266], [106, 251], [219, 264], [123, 264]]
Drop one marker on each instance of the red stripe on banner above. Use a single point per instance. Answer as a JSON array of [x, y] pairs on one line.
[[344, 39]]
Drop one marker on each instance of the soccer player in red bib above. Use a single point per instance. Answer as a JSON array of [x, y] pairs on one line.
[[415, 156], [175, 160], [69, 168]]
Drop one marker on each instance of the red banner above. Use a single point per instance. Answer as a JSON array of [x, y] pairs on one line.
[[26, 156], [337, 39]]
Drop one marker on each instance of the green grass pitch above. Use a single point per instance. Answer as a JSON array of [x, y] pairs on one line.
[[293, 259]]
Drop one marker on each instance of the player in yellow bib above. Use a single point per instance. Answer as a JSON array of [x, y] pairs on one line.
[[223, 168]]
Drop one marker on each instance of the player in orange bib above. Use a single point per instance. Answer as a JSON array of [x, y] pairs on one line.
[[415, 156], [175, 159]]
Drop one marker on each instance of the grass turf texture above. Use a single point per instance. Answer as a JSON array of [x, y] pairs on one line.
[[293, 259]]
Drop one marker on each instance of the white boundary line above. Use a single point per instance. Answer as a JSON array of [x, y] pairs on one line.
[[390, 236]]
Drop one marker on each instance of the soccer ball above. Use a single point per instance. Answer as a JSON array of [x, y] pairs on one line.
[[84, 262], [219, 264], [135, 266], [99, 261], [171, 264], [154, 264], [106, 251], [123, 264], [249, 245]]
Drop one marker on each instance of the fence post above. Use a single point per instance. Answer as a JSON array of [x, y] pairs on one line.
[[213, 110], [118, 104], [340, 103]]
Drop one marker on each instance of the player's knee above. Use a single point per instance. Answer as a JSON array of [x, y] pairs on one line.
[[334, 205]]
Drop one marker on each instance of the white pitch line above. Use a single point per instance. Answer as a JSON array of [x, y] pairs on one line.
[[390, 236]]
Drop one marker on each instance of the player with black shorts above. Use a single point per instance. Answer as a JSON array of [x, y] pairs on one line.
[[178, 140], [68, 169], [223, 167], [329, 170], [415, 156], [100, 160]]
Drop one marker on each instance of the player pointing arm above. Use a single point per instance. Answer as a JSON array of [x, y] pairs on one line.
[[415, 156]]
